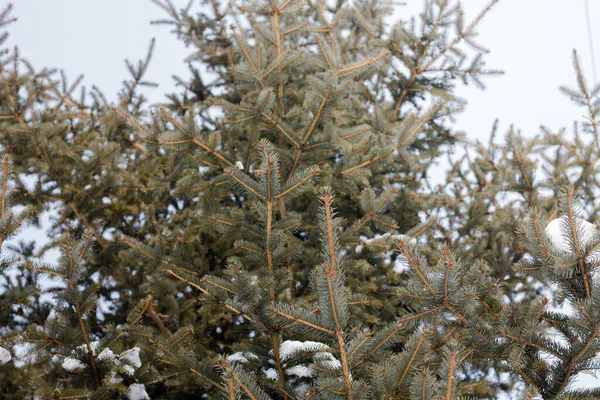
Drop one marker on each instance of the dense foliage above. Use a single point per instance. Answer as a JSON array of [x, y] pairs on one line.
[[274, 231]]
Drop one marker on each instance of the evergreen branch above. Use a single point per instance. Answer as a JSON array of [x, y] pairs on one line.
[[242, 44], [5, 173], [357, 133], [426, 118], [231, 388], [277, 355], [215, 284], [460, 37], [522, 169], [452, 366], [348, 70], [363, 23], [415, 266], [20, 300], [243, 246], [245, 380], [233, 225], [327, 199], [397, 326], [584, 277], [136, 125], [11, 99], [443, 342], [359, 346], [246, 389], [155, 259], [303, 322], [257, 5], [413, 355], [87, 224], [344, 362], [277, 63], [588, 98], [283, 6], [194, 141], [188, 282], [361, 165], [570, 367], [132, 319], [317, 116], [87, 343], [156, 318], [324, 53], [284, 33], [243, 180], [44, 271], [532, 344], [205, 292], [538, 234], [206, 379], [279, 128]]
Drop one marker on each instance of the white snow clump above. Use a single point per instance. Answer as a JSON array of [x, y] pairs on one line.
[[240, 357], [297, 373], [106, 354], [289, 347], [4, 356], [131, 357], [125, 363], [72, 364], [272, 374], [137, 391]]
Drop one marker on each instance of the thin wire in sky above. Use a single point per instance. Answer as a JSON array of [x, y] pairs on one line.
[[590, 39]]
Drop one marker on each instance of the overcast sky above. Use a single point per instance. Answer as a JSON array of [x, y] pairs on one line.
[[531, 40]]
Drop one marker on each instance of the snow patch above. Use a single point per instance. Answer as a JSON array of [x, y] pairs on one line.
[[272, 374], [124, 364], [128, 370], [93, 345], [299, 374], [137, 391], [131, 357], [4, 356], [72, 364], [106, 354], [401, 264], [290, 347], [327, 360], [322, 358], [240, 357], [301, 371]]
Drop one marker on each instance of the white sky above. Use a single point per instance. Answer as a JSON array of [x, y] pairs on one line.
[[531, 40]]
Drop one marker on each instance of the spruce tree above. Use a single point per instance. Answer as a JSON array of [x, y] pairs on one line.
[[272, 232]]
